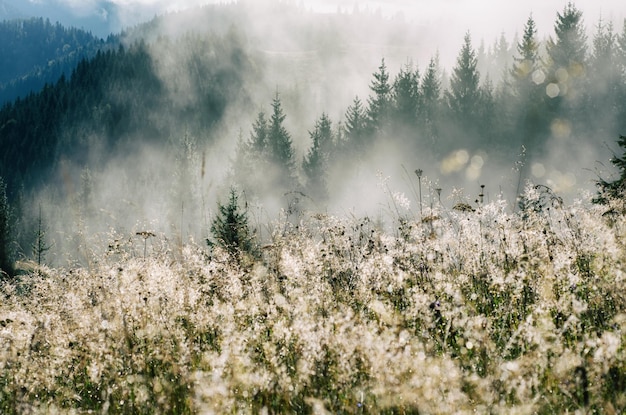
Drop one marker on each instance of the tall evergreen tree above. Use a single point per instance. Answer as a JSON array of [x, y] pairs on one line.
[[621, 64], [486, 113], [605, 87], [279, 146], [379, 104], [315, 163], [566, 64], [430, 94], [609, 190], [6, 249], [621, 48], [355, 127], [464, 93], [527, 60], [406, 96], [569, 50], [258, 136], [250, 156], [528, 89]]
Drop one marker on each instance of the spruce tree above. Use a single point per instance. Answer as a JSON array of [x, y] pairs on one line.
[[569, 50], [464, 92], [355, 126], [230, 228], [566, 64], [6, 252], [528, 89], [379, 104], [430, 94], [40, 246], [566, 70], [605, 86], [614, 189], [486, 113], [527, 60], [621, 67], [406, 96], [315, 163], [258, 136], [279, 147]]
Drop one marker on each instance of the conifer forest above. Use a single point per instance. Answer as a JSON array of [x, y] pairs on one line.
[[259, 208]]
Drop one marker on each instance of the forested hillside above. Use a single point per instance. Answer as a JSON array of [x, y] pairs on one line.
[[35, 51], [117, 99]]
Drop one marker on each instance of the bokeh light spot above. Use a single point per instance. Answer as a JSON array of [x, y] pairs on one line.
[[454, 162], [561, 128], [553, 90], [539, 77], [562, 75]]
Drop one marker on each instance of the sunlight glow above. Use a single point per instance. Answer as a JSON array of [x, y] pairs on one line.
[[539, 77], [553, 90]]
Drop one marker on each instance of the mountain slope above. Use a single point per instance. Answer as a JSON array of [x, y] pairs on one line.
[[119, 100], [35, 52], [99, 17]]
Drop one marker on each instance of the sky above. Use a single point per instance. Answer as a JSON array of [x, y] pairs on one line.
[[484, 18]]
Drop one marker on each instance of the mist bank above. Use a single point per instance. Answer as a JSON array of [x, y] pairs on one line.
[[301, 119]]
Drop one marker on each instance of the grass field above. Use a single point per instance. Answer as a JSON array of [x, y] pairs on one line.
[[482, 310]]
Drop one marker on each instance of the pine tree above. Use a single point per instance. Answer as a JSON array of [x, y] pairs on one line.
[[501, 57], [251, 156], [6, 255], [526, 63], [258, 136], [430, 94], [279, 148], [406, 96], [605, 84], [528, 90], [487, 113], [464, 94], [230, 228], [609, 190], [621, 64], [621, 48], [40, 246], [566, 69], [355, 125], [379, 104], [568, 51], [315, 163]]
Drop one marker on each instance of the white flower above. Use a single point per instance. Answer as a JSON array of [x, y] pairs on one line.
[[401, 200]]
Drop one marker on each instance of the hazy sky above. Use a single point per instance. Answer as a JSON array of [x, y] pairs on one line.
[[485, 19], [480, 16]]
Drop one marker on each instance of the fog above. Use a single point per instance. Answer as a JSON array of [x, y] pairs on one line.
[[445, 21], [314, 63]]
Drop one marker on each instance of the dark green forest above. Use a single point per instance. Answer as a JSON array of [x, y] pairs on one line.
[[203, 95], [35, 52]]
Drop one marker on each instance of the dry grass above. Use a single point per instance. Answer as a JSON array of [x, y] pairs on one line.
[[485, 311]]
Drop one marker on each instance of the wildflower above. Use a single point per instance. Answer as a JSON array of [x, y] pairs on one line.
[[401, 200]]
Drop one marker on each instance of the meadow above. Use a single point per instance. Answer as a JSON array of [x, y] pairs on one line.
[[480, 308]]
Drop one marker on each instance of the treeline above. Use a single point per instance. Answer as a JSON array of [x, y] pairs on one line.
[[35, 52], [567, 91]]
